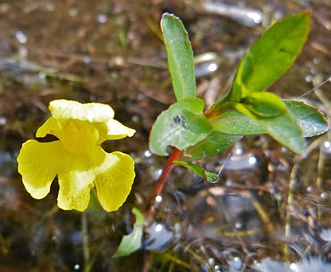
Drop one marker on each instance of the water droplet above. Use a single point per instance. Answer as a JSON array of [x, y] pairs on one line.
[[241, 14], [252, 160], [206, 64], [147, 153], [326, 147], [76, 267], [42, 75], [240, 162], [158, 227], [235, 262], [211, 261], [22, 51], [50, 6], [73, 11], [87, 59], [238, 225], [238, 151], [135, 118], [21, 37], [3, 120], [294, 267], [310, 189], [158, 199], [324, 195], [102, 18], [217, 268], [309, 78], [156, 174]]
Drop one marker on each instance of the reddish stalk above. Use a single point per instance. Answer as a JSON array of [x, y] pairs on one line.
[[160, 183]]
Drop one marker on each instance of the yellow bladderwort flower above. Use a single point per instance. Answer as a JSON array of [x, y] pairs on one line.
[[77, 158]]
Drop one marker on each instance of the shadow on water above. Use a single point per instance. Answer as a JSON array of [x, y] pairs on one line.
[[270, 210]]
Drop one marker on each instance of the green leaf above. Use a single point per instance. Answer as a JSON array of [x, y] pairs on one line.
[[132, 242], [215, 143], [273, 54], [264, 104], [180, 56], [181, 125], [209, 176], [283, 128], [310, 119], [234, 122]]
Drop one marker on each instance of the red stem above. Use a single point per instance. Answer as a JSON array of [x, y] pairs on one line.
[[160, 183]]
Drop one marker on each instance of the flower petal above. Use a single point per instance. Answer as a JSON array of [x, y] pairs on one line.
[[114, 181], [93, 112], [51, 126], [38, 163], [77, 178], [113, 130]]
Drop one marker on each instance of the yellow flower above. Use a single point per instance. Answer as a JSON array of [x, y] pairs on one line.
[[77, 158]]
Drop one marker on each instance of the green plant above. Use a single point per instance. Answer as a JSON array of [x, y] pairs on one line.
[[246, 108]]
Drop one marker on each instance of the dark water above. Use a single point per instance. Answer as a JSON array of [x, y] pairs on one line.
[[270, 211]]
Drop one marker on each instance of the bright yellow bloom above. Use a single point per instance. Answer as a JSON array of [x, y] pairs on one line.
[[76, 158]]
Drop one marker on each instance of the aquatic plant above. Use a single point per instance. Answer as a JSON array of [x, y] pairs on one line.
[[76, 157]]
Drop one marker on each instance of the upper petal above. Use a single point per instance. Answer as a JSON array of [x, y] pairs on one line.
[[113, 130], [63, 109], [114, 180], [51, 126], [77, 178], [38, 163]]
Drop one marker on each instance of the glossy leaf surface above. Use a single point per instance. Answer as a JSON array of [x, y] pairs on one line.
[[180, 56], [132, 242], [283, 128], [213, 144], [274, 53], [182, 125], [209, 176], [310, 119]]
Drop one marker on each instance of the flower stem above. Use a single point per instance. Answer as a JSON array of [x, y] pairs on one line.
[[160, 183]]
